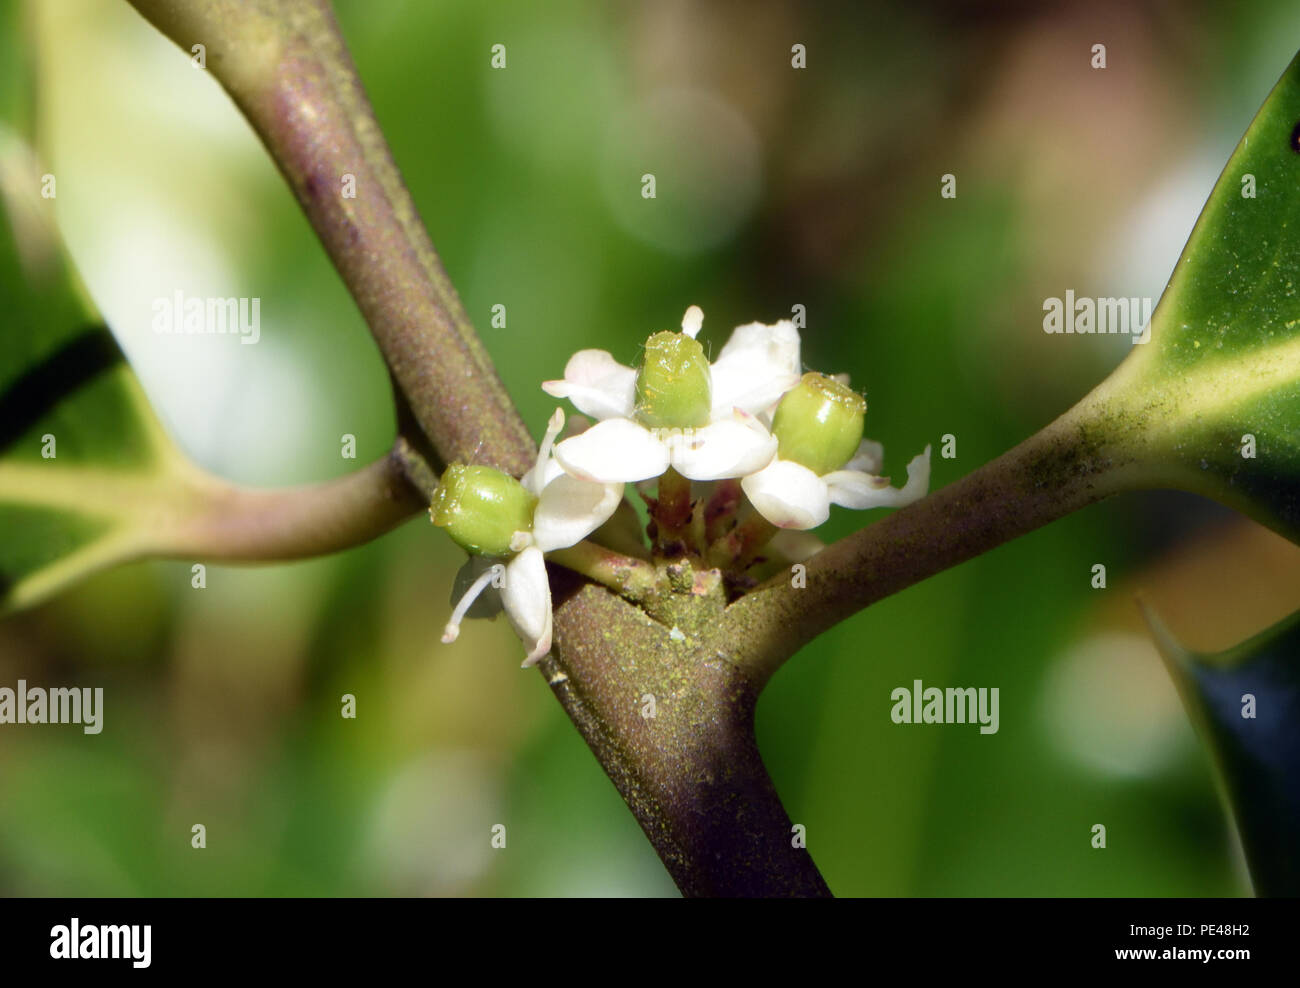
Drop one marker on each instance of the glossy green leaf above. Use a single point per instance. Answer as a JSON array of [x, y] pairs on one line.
[[1212, 402], [64, 386], [83, 461], [16, 110], [1245, 704]]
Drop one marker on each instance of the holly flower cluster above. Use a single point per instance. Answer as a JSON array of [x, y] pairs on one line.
[[793, 440]]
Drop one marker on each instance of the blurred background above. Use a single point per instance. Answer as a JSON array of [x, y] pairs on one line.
[[776, 187]]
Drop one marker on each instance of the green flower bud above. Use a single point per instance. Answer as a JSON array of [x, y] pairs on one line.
[[481, 508], [819, 424], [672, 386]]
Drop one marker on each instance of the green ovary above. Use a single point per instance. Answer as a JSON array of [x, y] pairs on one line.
[[819, 424], [672, 386], [482, 508]]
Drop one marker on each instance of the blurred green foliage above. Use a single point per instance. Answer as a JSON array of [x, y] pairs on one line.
[[816, 187]]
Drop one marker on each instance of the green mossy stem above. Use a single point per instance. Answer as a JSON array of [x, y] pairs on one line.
[[691, 773], [698, 788]]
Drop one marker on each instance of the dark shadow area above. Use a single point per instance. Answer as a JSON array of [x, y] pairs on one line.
[[37, 392]]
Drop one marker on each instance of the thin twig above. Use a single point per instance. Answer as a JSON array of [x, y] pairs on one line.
[[1078, 459], [415, 468], [286, 66]]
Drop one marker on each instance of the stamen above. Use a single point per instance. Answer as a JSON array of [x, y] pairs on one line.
[[553, 429], [493, 574], [692, 321]]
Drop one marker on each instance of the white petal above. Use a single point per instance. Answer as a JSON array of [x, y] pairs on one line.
[[789, 495], [729, 447], [571, 509], [776, 345], [550, 471], [858, 489], [792, 546], [757, 366], [613, 452], [527, 598], [597, 384], [868, 459], [854, 489]]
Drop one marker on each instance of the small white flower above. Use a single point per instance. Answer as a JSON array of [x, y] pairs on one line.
[[567, 511], [790, 495], [625, 451], [725, 438], [824, 460]]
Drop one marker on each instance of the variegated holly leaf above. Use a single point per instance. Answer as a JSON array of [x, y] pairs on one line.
[[1245, 704], [1211, 403], [85, 467]]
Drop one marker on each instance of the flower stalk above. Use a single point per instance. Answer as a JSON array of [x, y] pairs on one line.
[[630, 578], [672, 513], [738, 548]]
